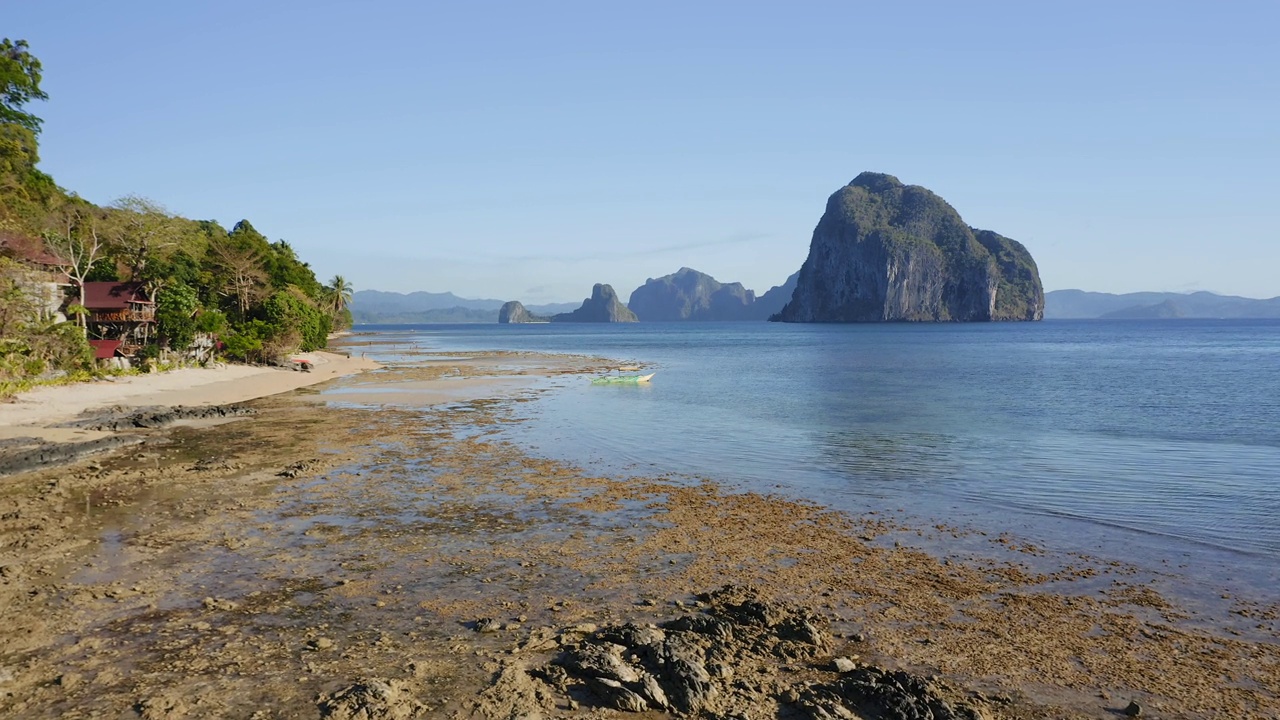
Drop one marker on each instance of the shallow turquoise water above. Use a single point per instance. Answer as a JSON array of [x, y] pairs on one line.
[[1155, 442]]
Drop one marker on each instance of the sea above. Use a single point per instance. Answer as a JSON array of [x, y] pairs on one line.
[[1151, 443]]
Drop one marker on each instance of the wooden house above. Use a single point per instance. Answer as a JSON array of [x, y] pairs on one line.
[[120, 311]]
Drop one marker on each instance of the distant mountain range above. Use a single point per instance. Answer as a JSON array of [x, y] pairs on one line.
[[691, 295], [1079, 304], [684, 295], [377, 307]]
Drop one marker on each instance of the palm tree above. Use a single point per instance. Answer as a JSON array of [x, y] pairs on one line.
[[339, 294]]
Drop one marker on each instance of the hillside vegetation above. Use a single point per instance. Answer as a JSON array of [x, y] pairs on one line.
[[255, 298]]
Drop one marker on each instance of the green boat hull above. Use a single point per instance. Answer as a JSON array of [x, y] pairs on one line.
[[621, 379]]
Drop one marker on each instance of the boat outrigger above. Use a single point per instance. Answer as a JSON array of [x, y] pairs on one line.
[[622, 379]]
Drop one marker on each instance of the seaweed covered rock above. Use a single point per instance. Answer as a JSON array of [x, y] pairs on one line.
[[740, 653]]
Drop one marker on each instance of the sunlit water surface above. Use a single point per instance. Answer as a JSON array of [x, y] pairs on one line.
[[1156, 443]]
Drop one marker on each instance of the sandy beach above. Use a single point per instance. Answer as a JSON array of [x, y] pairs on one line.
[[35, 413], [374, 547]]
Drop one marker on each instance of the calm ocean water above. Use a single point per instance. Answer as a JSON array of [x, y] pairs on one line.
[[1149, 442]]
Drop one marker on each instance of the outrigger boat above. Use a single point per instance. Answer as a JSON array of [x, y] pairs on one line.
[[622, 379]]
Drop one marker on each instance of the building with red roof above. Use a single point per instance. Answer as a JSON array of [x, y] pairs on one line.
[[119, 311]]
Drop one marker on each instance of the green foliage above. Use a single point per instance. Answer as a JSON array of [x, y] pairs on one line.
[[257, 296], [29, 357], [335, 298], [148, 353], [213, 322], [104, 270], [19, 84], [1019, 295], [176, 308], [17, 308], [245, 343], [291, 309], [287, 270]]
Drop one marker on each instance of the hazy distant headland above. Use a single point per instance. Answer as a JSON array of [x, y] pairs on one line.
[[684, 295], [691, 295], [1079, 304], [377, 307], [602, 307]]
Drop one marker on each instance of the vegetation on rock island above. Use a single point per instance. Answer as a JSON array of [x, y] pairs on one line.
[[130, 278]]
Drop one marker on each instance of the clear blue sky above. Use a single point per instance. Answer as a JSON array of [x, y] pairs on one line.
[[528, 150]]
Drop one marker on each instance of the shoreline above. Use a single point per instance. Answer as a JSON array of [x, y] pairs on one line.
[[39, 413], [328, 546]]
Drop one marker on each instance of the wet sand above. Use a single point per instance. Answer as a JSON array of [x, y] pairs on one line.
[[257, 568]]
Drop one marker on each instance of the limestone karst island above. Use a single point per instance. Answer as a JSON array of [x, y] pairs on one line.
[[882, 252]]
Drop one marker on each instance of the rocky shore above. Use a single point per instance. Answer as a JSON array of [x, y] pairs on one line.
[[399, 561]]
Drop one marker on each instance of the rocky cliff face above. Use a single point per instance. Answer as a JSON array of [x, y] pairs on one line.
[[602, 306], [884, 251], [515, 312], [690, 295]]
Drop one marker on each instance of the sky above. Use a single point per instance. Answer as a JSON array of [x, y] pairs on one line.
[[524, 151]]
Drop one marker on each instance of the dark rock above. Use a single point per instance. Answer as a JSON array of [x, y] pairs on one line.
[[705, 624], [872, 692], [602, 306], [51, 454], [1133, 709], [295, 469], [599, 660], [118, 418], [616, 695], [884, 251], [653, 690], [685, 678]]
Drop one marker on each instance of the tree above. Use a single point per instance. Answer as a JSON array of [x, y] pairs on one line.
[[17, 306], [25, 191], [339, 294], [292, 311], [76, 243], [286, 269], [19, 84], [144, 232], [176, 308], [242, 274]]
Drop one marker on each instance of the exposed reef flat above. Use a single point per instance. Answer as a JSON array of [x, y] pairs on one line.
[[408, 561]]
